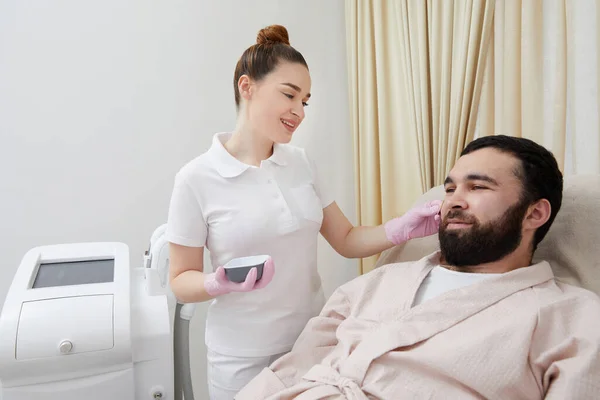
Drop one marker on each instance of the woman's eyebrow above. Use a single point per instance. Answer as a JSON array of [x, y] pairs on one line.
[[295, 87]]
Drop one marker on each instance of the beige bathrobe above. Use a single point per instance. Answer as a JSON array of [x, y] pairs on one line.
[[519, 335]]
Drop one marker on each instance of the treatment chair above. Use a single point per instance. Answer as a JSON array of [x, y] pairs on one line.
[[572, 245]]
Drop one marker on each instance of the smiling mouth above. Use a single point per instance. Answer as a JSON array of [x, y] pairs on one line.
[[288, 124]]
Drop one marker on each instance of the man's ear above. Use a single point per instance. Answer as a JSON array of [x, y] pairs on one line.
[[537, 214], [245, 87]]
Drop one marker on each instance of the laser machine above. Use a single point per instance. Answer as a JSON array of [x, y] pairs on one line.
[[79, 322]]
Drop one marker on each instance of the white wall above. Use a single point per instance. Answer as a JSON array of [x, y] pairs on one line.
[[102, 102]]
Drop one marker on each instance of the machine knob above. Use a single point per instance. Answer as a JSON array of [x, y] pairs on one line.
[[65, 347], [158, 393]]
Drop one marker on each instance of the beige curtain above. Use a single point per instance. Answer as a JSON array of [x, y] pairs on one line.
[[522, 95], [542, 79], [583, 81], [415, 69]]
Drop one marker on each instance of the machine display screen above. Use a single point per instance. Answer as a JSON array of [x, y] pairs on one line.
[[74, 273]]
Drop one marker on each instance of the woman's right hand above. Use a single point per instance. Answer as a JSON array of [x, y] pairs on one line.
[[217, 284]]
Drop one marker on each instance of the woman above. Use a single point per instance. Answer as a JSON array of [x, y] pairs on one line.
[[252, 193]]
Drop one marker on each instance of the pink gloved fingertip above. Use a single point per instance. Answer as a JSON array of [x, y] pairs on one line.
[[267, 275], [220, 276], [248, 284]]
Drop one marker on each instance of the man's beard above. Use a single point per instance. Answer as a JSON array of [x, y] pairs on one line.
[[481, 244]]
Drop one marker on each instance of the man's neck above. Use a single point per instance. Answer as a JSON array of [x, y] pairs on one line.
[[519, 258]]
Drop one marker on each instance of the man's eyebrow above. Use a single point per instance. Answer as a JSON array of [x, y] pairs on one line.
[[475, 177], [482, 177], [295, 87]]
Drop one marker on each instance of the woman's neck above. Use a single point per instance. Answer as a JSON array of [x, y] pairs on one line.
[[248, 146]]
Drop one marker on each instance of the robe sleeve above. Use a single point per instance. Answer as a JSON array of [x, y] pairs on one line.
[[565, 350], [315, 342]]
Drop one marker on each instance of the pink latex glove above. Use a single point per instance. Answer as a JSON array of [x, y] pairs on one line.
[[217, 284], [419, 221]]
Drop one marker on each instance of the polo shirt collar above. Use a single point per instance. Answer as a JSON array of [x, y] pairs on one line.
[[228, 166]]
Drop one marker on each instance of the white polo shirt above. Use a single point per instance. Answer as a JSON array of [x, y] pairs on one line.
[[236, 210]]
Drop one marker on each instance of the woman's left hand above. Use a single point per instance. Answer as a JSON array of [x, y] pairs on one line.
[[419, 221]]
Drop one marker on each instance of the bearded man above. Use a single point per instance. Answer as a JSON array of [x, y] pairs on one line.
[[476, 320]]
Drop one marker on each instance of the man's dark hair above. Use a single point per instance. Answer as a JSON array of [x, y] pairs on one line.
[[539, 173]]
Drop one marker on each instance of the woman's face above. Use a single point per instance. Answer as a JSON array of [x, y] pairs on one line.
[[275, 105]]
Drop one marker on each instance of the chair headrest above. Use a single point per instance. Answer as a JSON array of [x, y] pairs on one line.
[[572, 245]]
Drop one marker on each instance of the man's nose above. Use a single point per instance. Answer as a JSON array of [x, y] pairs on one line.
[[455, 201]]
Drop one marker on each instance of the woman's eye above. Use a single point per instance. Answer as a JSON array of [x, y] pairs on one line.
[[291, 97]]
